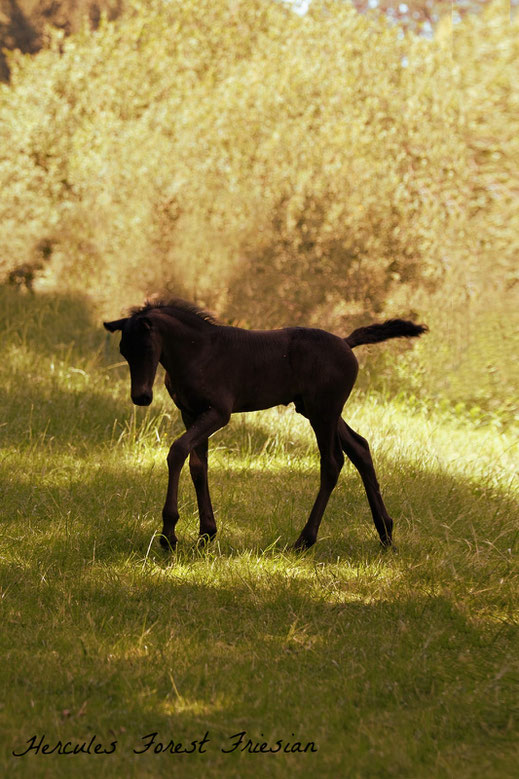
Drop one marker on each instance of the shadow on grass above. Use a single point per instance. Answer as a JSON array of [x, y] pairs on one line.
[[48, 323], [333, 646], [64, 416], [34, 397], [117, 508], [182, 658]]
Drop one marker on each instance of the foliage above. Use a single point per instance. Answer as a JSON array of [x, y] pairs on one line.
[[276, 167], [489, 122], [23, 22], [421, 16]]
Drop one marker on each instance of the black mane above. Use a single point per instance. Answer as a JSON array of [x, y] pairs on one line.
[[174, 306]]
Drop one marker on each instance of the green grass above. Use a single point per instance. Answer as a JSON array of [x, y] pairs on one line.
[[398, 664]]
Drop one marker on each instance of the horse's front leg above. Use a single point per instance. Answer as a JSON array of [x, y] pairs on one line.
[[198, 467], [203, 426]]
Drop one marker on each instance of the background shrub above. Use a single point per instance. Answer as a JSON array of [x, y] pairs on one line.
[[278, 168]]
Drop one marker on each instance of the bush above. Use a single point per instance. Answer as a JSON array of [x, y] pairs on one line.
[[276, 167]]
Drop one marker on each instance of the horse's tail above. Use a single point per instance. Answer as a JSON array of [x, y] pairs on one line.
[[393, 328]]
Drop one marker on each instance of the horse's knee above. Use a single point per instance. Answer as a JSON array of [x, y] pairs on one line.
[[362, 445], [357, 449], [364, 455], [177, 455]]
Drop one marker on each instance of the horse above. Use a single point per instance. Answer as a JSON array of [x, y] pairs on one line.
[[215, 370]]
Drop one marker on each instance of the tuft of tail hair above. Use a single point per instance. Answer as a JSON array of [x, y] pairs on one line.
[[393, 328]]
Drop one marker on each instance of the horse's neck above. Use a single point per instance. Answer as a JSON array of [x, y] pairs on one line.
[[181, 338]]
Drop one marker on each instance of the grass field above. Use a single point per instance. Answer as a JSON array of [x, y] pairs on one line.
[[395, 664]]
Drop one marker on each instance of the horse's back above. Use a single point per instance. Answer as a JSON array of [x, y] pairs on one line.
[[322, 361], [273, 367]]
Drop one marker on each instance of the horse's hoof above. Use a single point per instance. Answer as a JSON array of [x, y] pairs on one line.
[[301, 545], [204, 539], [168, 544]]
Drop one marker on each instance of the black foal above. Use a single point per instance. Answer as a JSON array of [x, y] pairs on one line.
[[213, 371]]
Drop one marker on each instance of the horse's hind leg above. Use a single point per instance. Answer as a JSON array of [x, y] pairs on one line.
[[332, 460], [357, 449]]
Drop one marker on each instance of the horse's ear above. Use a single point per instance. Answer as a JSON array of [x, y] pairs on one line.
[[144, 323], [117, 324]]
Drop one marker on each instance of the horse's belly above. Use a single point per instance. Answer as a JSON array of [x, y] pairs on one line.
[[261, 405]]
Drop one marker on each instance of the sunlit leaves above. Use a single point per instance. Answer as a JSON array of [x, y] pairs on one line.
[[267, 163]]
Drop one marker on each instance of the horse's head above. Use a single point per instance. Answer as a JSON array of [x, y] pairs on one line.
[[141, 347]]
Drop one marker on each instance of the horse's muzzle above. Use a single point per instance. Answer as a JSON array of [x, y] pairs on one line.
[[144, 399]]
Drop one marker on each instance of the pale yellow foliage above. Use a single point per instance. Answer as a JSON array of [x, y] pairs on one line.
[[278, 168]]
